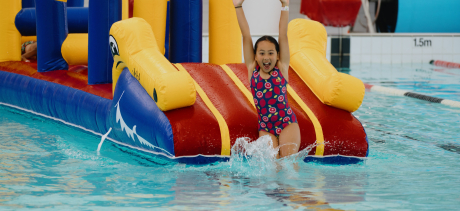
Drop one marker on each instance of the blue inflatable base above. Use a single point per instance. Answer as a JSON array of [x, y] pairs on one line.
[[334, 160]]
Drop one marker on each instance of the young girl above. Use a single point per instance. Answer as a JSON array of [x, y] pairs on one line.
[[268, 65]]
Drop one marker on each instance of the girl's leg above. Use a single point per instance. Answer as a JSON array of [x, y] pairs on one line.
[[289, 140], [274, 140]]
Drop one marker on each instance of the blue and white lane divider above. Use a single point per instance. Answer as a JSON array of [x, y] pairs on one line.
[[399, 92]]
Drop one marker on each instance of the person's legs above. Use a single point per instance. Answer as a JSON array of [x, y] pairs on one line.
[[30, 52], [274, 140], [289, 140]]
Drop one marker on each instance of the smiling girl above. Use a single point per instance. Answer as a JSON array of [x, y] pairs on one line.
[[268, 66]]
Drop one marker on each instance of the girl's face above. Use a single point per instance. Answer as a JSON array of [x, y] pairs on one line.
[[266, 56]]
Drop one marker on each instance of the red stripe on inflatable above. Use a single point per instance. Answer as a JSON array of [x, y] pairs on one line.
[[195, 130], [343, 133], [307, 130], [76, 77], [446, 64], [237, 111]]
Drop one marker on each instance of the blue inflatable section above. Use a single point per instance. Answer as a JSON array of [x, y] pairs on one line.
[[26, 21], [167, 31], [186, 31], [75, 3], [55, 100], [334, 160], [428, 16], [77, 20], [136, 119], [28, 3], [51, 33], [102, 15]]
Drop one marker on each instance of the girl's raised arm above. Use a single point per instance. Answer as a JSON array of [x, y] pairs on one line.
[[283, 39], [248, 50]]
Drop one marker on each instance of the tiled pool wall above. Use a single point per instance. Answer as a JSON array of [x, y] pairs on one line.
[[383, 48], [403, 48]]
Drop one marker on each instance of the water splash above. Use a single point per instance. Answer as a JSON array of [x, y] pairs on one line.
[[258, 158], [102, 141]]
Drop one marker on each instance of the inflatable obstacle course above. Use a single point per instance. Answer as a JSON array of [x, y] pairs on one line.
[[190, 112]]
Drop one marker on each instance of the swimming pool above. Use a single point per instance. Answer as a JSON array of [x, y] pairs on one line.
[[413, 162]]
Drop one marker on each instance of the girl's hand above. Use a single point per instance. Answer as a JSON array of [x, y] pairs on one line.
[[237, 3], [283, 2]]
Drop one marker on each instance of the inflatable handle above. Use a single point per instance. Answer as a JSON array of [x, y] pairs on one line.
[[307, 45], [132, 40]]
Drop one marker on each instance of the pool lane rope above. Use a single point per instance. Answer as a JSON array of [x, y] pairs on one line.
[[398, 92], [440, 63]]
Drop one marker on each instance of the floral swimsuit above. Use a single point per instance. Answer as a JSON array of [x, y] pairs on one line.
[[275, 114]]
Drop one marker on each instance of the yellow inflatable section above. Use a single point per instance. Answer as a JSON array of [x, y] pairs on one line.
[[10, 38], [74, 49], [154, 12], [133, 45], [28, 38], [224, 33], [307, 45]]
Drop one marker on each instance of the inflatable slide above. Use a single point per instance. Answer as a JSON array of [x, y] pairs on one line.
[[192, 112]]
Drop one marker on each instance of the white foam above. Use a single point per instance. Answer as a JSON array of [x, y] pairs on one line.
[[258, 158]]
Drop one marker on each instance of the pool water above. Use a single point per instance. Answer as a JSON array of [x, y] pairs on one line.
[[414, 162]]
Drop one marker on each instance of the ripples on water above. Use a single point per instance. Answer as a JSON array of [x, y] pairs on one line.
[[413, 164]]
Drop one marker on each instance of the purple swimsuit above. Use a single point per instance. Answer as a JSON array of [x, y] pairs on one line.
[[271, 102]]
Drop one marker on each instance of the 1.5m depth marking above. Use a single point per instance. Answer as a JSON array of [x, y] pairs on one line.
[[422, 42]]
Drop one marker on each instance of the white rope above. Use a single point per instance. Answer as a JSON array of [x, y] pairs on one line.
[[389, 91]]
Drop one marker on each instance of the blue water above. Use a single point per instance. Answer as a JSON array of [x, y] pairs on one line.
[[413, 164]]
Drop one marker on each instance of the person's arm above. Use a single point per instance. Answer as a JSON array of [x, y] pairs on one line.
[[283, 41], [248, 50]]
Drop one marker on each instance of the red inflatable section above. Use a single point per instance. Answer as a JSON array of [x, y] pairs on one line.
[[195, 130], [238, 113], [76, 77], [331, 12], [343, 133]]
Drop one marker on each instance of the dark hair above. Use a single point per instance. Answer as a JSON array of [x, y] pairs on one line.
[[269, 39]]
